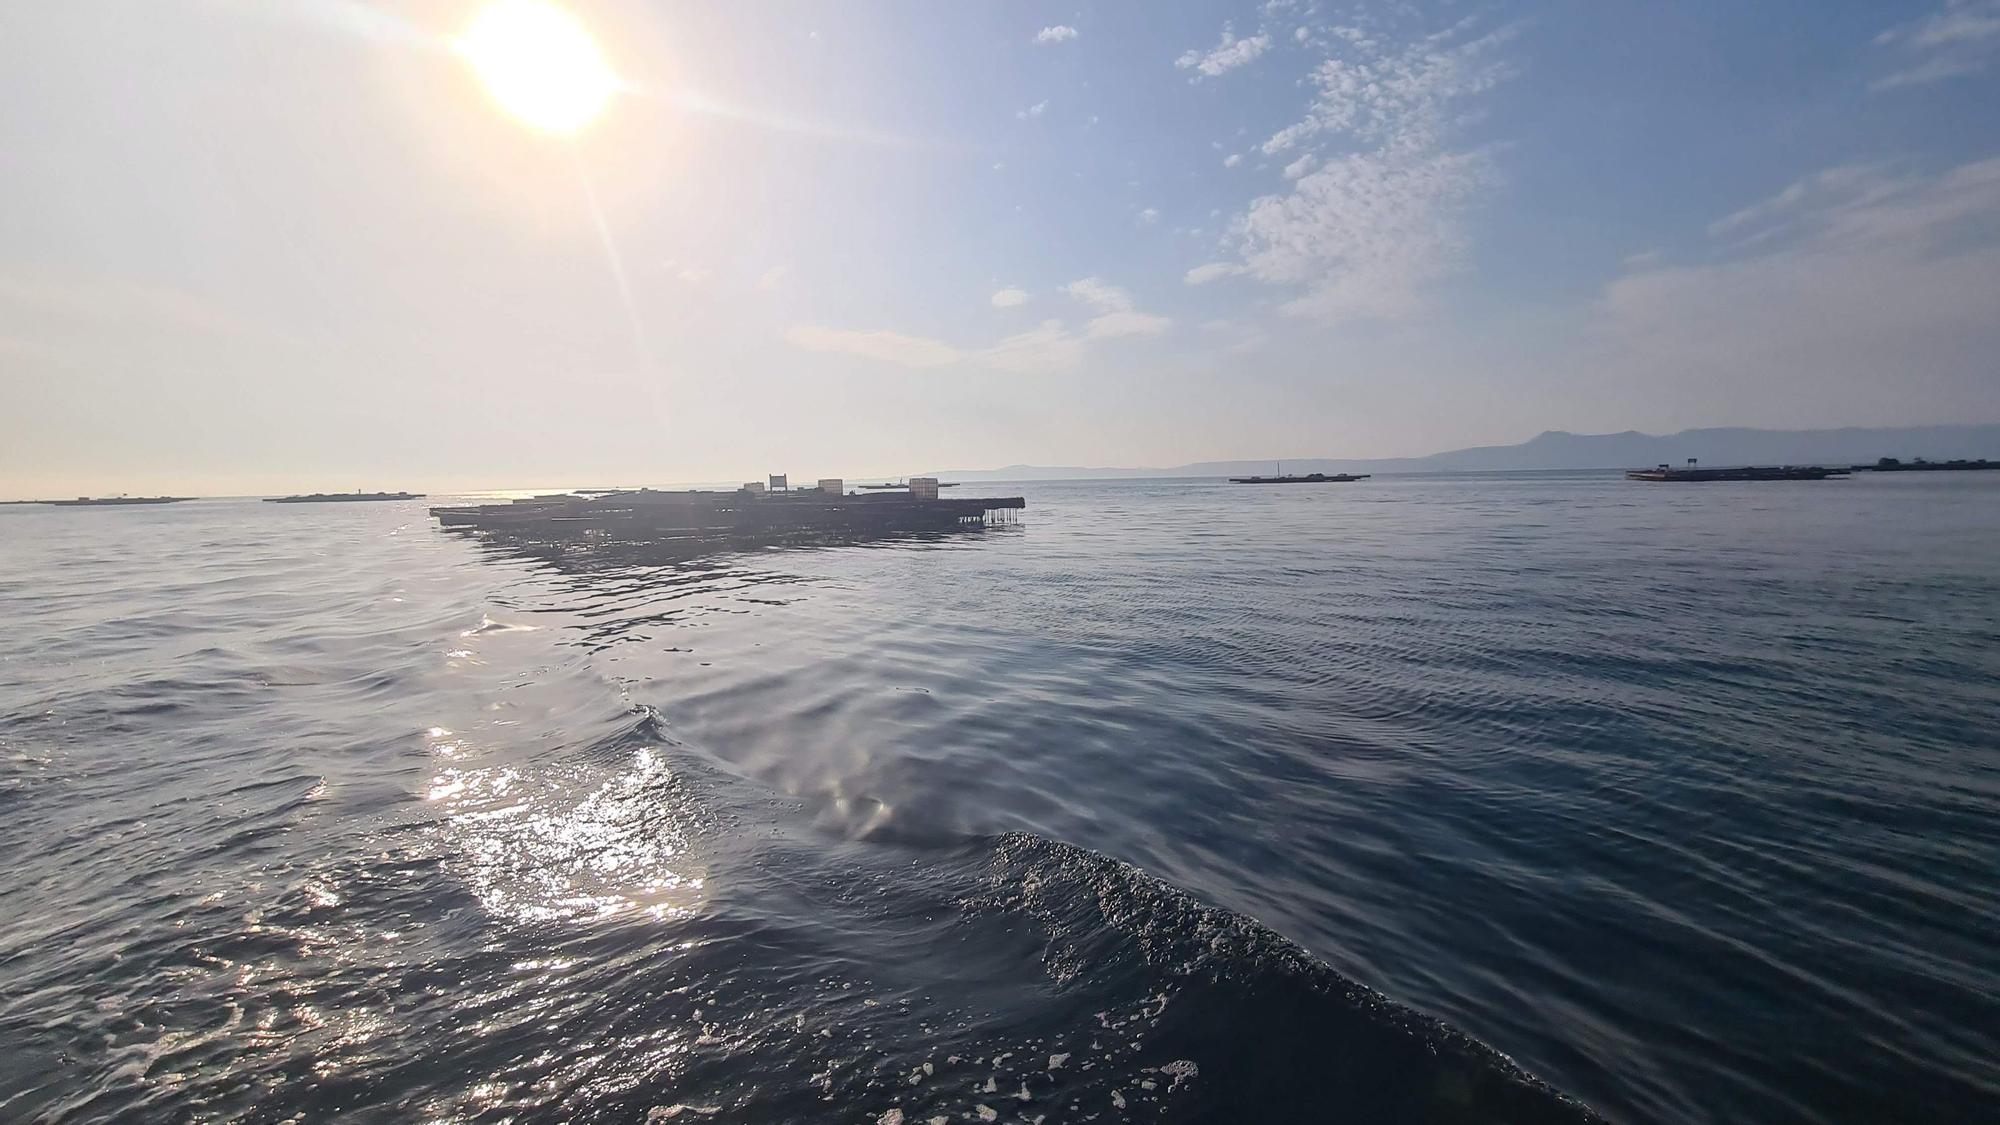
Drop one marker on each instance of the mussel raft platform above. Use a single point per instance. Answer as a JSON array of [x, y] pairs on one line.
[[1741, 473], [744, 514]]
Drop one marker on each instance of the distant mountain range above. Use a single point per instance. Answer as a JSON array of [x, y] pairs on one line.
[[1557, 449]]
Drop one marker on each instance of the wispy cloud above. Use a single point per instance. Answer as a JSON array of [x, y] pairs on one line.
[[1117, 314], [1035, 110], [1876, 207], [1060, 33], [1235, 337], [692, 101], [1232, 160], [1856, 276], [1044, 349], [1114, 324], [1050, 347], [1212, 271], [1099, 294], [1959, 39], [347, 17], [883, 346], [1840, 188], [1225, 56], [774, 278], [1378, 180], [95, 303], [1148, 216], [100, 322]]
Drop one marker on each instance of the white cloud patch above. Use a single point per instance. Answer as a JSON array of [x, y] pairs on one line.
[[1232, 160], [1879, 283], [1046, 348], [1961, 38], [1211, 271], [1113, 324], [1117, 314], [1374, 210], [1060, 33], [1010, 298], [1035, 110], [1099, 294], [1149, 216], [774, 278], [1224, 56]]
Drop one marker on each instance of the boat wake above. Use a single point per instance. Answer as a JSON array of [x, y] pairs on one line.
[[774, 971]]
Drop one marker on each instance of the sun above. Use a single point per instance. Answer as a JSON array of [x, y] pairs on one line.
[[540, 63]]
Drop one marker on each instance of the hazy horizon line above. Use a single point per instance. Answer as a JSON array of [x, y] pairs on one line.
[[1098, 472]]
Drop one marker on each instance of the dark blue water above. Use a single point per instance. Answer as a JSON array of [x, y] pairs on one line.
[[1177, 802]]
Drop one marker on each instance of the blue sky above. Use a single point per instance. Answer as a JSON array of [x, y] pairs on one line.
[[294, 243]]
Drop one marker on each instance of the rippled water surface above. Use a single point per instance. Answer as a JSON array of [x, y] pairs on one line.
[[1178, 801]]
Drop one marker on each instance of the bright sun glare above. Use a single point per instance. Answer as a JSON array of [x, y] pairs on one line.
[[539, 63]]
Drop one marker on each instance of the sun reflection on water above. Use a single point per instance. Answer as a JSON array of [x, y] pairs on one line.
[[559, 844]]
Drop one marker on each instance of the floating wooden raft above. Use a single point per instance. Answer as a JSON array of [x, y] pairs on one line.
[[1747, 472], [743, 514], [1892, 465], [1309, 478], [342, 497], [112, 501]]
